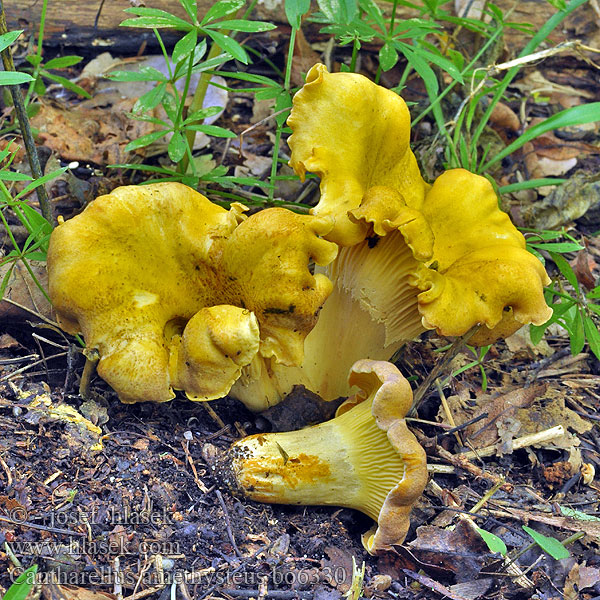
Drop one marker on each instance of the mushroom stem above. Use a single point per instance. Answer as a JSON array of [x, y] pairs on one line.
[[91, 360], [365, 458], [334, 463]]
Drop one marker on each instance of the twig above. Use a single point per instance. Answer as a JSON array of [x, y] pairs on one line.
[[212, 588], [29, 525], [53, 324], [440, 368], [447, 411], [464, 425], [522, 442], [228, 523], [461, 461], [33, 364], [215, 417], [433, 585], [17, 97], [188, 456], [275, 594], [9, 479]]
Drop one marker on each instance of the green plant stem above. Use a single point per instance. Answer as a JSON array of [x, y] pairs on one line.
[[290, 58], [440, 367], [200, 92], [537, 39], [30, 148], [21, 255], [38, 53], [197, 102], [453, 83], [355, 47], [286, 85]]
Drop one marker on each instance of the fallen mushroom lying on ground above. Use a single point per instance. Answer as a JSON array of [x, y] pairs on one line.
[[414, 256], [365, 458], [174, 291]]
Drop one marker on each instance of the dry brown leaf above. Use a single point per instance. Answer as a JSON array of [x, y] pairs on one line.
[[23, 290], [96, 135], [460, 550], [53, 591], [485, 432], [304, 58], [583, 267]]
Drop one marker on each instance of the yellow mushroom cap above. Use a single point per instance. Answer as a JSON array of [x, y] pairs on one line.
[[353, 134], [365, 458], [136, 265], [207, 358], [412, 256], [283, 293]]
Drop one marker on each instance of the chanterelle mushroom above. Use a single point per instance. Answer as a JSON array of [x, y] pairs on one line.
[[415, 256], [132, 270], [365, 458]]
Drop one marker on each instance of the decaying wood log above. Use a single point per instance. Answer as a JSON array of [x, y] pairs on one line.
[[96, 23]]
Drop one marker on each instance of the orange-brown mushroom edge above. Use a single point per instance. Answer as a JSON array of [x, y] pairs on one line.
[[132, 270], [354, 134], [365, 458]]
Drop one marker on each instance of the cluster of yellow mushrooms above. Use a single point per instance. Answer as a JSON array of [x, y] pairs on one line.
[[177, 293]]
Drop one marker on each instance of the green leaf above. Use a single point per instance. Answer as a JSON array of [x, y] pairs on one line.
[[565, 268], [388, 56], [145, 140], [577, 333], [36, 222], [185, 46], [213, 130], [6, 39], [243, 25], [66, 83], [151, 99], [374, 12], [39, 87], [339, 11], [229, 45], [252, 78], [536, 332], [143, 74], [530, 184], [177, 147], [221, 9], [34, 60], [14, 78], [203, 113], [422, 68], [493, 542], [62, 62], [20, 589], [191, 8], [558, 4], [41, 181], [295, 10], [576, 514], [149, 18], [549, 545], [13, 176], [554, 247], [171, 107], [576, 115], [592, 336]]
